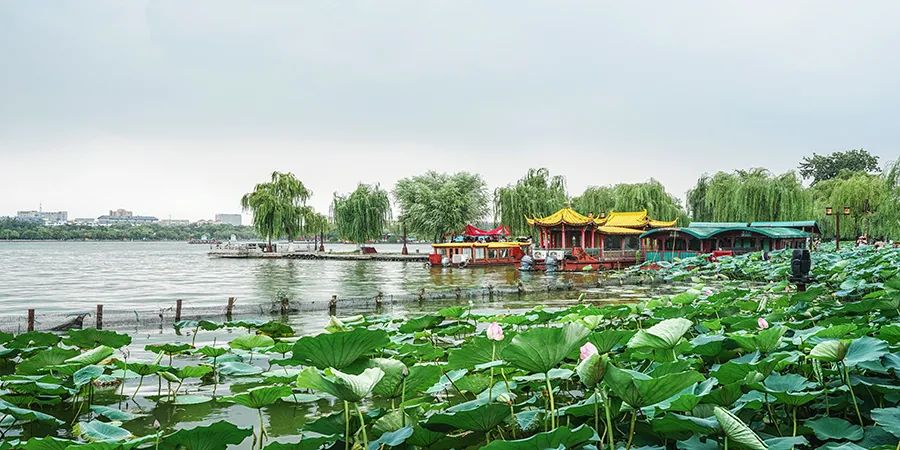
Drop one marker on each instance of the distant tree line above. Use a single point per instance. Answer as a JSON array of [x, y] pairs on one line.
[[435, 205], [11, 229]]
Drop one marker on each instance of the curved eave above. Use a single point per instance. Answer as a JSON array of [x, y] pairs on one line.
[[620, 231], [695, 233]]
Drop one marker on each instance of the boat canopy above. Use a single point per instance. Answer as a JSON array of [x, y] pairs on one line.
[[566, 216], [706, 232], [615, 222], [489, 245], [470, 230]]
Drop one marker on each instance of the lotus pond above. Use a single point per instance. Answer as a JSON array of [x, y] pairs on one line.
[[720, 363]]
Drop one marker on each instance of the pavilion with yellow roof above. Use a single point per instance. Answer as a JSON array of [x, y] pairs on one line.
[[614, 234]]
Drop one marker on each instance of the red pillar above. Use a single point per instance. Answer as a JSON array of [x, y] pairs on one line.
[[582, 238], [563, 236]]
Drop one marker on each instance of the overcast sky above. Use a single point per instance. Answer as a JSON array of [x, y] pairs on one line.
[[176, 108]]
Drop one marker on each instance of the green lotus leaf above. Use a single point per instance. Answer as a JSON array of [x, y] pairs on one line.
[[592, 369], [540, 349], [308, 441], [841, 446], [274, 328], [42, 361], [239, 369], [471, 416], [662, 336], [96, 431], [168, 348], [92, 337], [391, 383], [212, 352], [640, 390], [421, 323], [114, 413], [338, 350], [764, 341], [888, 418], [708, 345], [93, 356], [674, 424], [560, 438], [23, 415], [33, 339], [282, 348], [834, 428], [351, 388], [738, 431], [251, 342], [45, 443], [476, 351], [215, 436], [194, 371], [865, 349], [830, 351], [141, 368], [610, 339], [258, 397], [391, 438], [786, 443], [86, 375], [420, 378]]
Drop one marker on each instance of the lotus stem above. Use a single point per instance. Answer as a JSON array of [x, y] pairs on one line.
[[852, 395], [491, 381], [362, 426], [402, 401], [346, 425], [597, 414], [631, 430], [552, 404], [726, 442], [609, 426], [512, 412], [138, 388], [794, 419], [262, 429]]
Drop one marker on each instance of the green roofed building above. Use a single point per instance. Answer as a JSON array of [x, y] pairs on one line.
[[667, 244]]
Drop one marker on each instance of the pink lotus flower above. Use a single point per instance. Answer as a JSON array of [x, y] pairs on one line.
[[495, 332], [762, 324], [587, 350]]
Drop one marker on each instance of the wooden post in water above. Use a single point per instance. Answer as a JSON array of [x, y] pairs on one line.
[[31, 319], [99, 318], [332, 305], [285, 306], [178, 310], [230, 308]]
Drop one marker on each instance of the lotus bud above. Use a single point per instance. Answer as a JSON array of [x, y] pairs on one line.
[[587, 350], [495, 332], [762, 324], [506, 397]]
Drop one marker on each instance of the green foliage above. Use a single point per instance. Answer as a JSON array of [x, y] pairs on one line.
[[537, 194], [747, 196], [27, 230], [825, 167], [651, 195], [362, 215], [434, 205], [279, 207]]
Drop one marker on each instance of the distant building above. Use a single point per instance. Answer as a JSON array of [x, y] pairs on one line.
[[230, 219], [125, 217], [44, 217], [174, 222], [120, 213], [84, 221]]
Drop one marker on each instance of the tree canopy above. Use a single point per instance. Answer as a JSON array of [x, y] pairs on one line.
[[650, 195], [437, 204], [537, 194], [873, 201], [825, 167], [747, 196], [362, 215], [278, 206]]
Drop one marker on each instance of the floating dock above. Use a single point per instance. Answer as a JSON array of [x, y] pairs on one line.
[[231, 254]]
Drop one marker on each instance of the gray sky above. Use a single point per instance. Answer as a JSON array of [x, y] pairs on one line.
[[176, 108]]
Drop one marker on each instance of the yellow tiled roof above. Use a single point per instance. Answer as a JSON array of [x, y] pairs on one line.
[[632, 219], [618, 230], [567, 216]]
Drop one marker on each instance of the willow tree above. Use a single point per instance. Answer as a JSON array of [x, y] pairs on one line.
[[537, 194], [749, 195], [872, 200], [278, 206], [650, 195], [438, 204], [362, 215]]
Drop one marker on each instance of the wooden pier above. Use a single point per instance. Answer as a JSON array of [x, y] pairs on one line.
[[417, 257]]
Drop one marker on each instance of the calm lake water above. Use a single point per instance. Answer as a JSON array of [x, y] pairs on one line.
[[59, 278]]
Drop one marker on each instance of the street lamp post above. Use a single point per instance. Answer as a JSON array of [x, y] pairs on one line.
[[829, 211], [404, 251]]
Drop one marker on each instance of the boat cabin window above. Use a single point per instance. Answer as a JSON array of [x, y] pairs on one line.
[[632, 243], [612, 242], [479, 253], [694, 245]]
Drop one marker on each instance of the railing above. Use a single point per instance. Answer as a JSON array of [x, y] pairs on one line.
[[669, 255]]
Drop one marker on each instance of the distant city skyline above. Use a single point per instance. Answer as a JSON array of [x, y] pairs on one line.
[[177, 109]]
